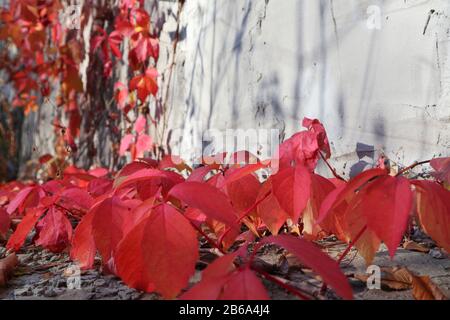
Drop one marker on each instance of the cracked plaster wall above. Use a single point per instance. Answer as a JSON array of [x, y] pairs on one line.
[[268, 63]]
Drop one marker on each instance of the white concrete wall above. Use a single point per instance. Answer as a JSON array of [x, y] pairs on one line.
[[269, 63]]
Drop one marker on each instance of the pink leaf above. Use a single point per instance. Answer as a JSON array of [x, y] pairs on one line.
[[140, 124], [125, 144], [144, 143]]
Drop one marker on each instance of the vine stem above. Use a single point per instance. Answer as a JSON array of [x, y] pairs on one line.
[[351, 244], [222, 237], [281, 283], [210, 241], [56, 204], [335, 174], [415, 164], [346, 251]]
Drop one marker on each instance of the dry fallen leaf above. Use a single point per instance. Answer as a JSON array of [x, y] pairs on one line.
[[288, 263], [425, 289], [414, 246], [391, 278], [7, 266], [400, 278]]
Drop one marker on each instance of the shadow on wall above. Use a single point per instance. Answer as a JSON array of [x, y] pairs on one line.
[[366, 159]]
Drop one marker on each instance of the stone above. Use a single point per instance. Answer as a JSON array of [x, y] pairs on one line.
[[2, 251], [436, 253], [61, 283], [25, 291], [100, 283], [50, 293], [124, 295], [38, 291]]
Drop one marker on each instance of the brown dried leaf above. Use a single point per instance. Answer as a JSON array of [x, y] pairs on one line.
[[7, 266], [288, 263], [414, 246], [396, 278], [425, 289], [400, 278], [391, 278]]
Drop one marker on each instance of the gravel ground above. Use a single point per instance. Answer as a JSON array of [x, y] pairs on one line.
[[44, 275]]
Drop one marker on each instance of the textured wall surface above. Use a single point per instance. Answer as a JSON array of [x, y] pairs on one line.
[[376, 73]]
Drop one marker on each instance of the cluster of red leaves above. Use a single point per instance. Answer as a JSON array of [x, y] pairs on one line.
[[132, 22], [147, 221], [45, 55], [48, 57]]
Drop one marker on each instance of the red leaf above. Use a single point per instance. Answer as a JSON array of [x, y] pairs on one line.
[[239, 173], [320, 188], [83, 245], [55, 231], [144, 143], [4, 222], [213, 279], [335, 198], [243, 192], [114, 40], [315, 126], [159, 254], [24, 228], [98, 172], [140, 124], [442, 167], [319, 262], [244, 285], [45, 158], [210, 200], [200, 173], [303, 148], [141, 210], [387, 204], [76, 198], [20, 199], [125, 144], [172, 161], [121, 95], [133, 167], [96, 42], [144, 175], [292, 187], [145, 84], [270, 211], [433, 208], [99, 186], [108, 225]]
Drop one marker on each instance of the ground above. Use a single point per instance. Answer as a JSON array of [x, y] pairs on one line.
[[44, 275]]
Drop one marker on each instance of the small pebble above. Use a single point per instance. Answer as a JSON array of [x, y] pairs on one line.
[[22, 292], [436, 253], [100, 283], [39, 291], [50, 293], [123, 295], [61, 284]]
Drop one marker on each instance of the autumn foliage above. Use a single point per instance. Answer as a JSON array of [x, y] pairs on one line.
[[148, 220], [51, 63]]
